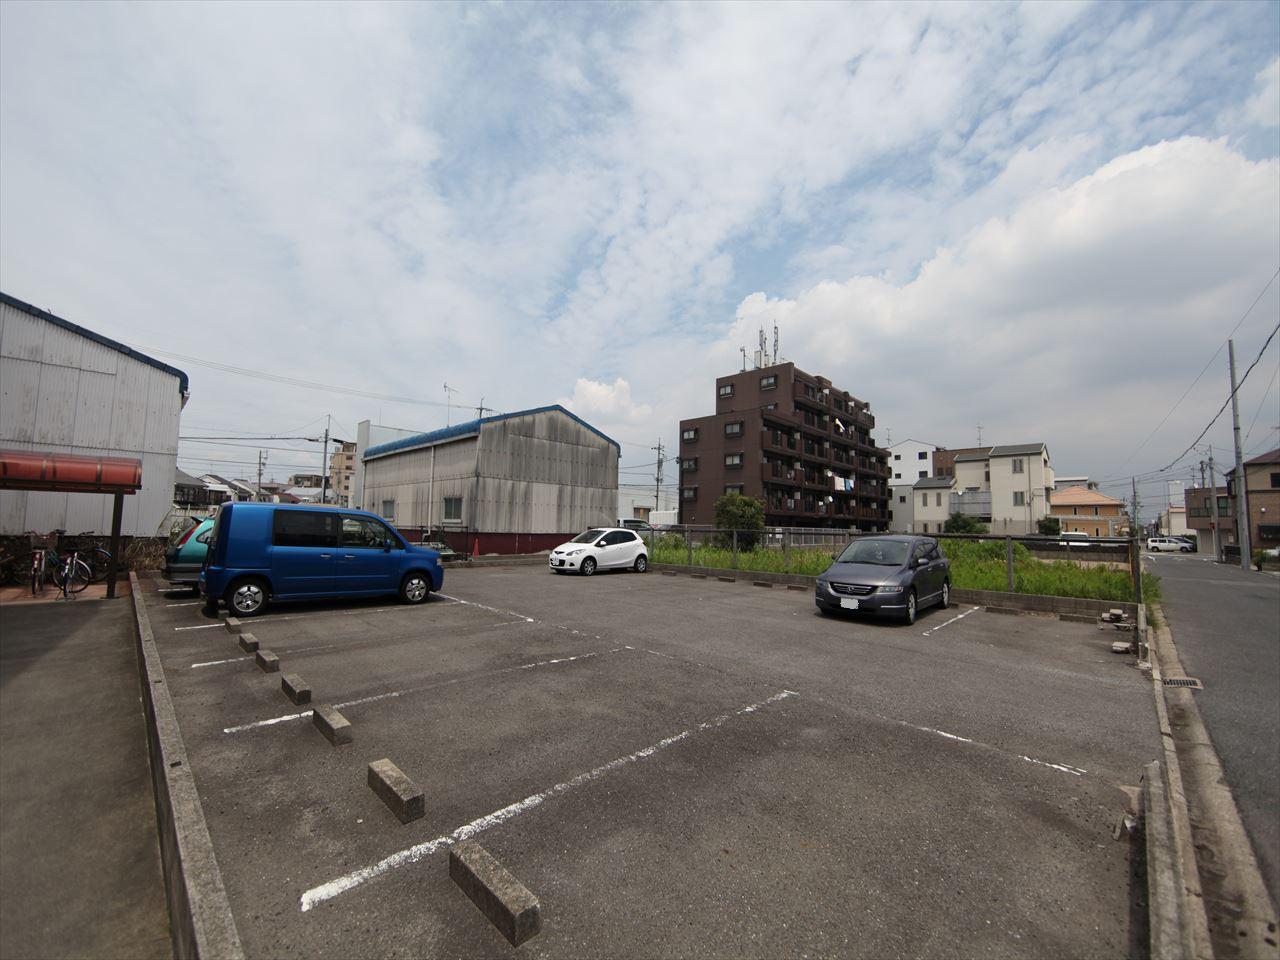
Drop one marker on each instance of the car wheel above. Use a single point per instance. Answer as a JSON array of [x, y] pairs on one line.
[[588, 567], [910, 615], [946, 594], [247, 597], [415, 587], [642, 563]]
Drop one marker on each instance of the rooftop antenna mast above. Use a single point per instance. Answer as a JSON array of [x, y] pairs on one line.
[[979, 434], [777, 356], [744, 359], [762, 355], [448, 407]]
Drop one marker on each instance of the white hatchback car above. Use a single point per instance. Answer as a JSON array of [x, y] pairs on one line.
[[600, 548], [1174, 544]]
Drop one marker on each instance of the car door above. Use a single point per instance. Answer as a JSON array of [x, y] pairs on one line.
[[630, 548], [925, 571], [303, 544], [364, 562], [613, 551]]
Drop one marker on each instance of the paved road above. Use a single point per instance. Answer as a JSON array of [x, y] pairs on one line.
[[1226, 623], [80, 868], [675, 767]]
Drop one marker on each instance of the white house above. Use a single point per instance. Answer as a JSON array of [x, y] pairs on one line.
[[909, 461]]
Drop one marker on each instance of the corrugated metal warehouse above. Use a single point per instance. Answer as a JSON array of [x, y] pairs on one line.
[[65, 389], [518, 482]]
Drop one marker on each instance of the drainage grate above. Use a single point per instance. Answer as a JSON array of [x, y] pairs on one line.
[[1191, 682]]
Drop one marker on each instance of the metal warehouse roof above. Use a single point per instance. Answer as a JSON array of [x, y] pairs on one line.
[[1017, 450], [96, 337], [931, 483], [470, 428]]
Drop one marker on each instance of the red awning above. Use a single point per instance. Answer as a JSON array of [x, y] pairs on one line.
[[68, 473]]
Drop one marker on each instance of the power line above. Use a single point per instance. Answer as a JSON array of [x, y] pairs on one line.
[[1270, 383], [1202, 372], [295, 382]]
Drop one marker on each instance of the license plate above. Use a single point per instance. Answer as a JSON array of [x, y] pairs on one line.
[[558, 563], [848, 603]]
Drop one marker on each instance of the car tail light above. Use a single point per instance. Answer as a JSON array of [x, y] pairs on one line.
[[187, 536]]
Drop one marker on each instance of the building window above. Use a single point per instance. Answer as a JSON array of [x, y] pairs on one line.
[[922, 455], [768, 383], [1075, 511], [1222, 506], [902, 499], [922, 474], [733, 429], [1019, 498], [1275, 480], [389, 509], [690, 464], [924, 499], [896, 476], [733, 488], [726, 389], [937, 499], [733, 459], [1095, 511], [897, 456], [689, 436], [924, 528], [1017, 464], [452, 510], [688, 493], [771, 406]]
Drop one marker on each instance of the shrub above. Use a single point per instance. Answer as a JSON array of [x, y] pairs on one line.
[[744, 514]]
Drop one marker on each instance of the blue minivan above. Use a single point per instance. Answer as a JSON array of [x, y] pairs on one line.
[[261, 552]]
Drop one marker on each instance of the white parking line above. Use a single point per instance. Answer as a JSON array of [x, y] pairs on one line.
[[202, 626], [408, 690], [327, 891], [191, 604], [1064, 767], [949, 622], [214, 663]]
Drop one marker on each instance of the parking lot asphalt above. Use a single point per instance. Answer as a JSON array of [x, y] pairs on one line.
[[673, 766]]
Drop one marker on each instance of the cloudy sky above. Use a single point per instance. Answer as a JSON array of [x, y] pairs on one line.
[[1040, 218]]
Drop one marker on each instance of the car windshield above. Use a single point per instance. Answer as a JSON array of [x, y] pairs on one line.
[[885, 553], [589, 537]]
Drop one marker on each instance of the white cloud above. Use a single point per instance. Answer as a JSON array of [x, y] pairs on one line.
[[1263, 108], [1078, 319], [606, 403]]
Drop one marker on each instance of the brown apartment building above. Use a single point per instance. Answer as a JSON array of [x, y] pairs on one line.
[[791, 439]]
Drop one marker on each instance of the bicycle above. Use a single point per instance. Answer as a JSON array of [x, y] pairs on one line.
[[97, 558], [69, 573]]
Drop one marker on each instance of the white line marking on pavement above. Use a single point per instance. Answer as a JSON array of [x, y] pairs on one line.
[[214, 663], [1065, 768], [190, 604], [483, 606], [400, 693], [949, 622], [202, 626], [327, 891], [941, 733]]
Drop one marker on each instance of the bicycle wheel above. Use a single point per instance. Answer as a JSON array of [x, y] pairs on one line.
[[73, 576], [99, 558]]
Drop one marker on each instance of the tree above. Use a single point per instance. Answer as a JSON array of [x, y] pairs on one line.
[[1049, 527], [744, 514], [963, 523]]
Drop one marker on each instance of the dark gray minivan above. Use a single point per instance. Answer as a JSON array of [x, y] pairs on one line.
[[893, 575]]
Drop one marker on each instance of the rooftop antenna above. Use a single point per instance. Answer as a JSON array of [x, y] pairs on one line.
[[777, 357], [448, 391], [979, 434], [762, 356], [744, 359]]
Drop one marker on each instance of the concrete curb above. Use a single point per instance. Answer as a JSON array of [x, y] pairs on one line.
[[1229, 906], [201, 924], [1008, 602]]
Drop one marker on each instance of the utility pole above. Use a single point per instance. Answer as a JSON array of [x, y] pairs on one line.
[[481, 409], [979, 434], [1213, 490], [1133, 526], [1201, 474], [657, 484], [1242, 484], [262, 459], [324, 462]]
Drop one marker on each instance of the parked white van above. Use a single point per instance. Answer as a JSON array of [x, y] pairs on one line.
[[1163, 544]]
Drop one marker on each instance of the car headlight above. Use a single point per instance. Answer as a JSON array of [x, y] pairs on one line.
[[890, 588], [572, 553]]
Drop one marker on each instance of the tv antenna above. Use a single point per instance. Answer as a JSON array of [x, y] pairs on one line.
[[448, 407]]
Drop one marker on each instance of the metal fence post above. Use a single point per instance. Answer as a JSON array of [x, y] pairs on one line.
[[786, 548], [735, 548], [1008, 561], [688, 544]]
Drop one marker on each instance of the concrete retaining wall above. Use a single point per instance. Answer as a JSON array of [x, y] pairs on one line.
[[200, 921], [986, 598]]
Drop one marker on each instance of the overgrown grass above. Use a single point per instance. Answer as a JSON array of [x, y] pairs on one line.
[[975, 565]]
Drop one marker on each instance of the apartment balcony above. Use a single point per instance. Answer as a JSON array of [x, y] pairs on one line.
[[975, 503], [776, 473]]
